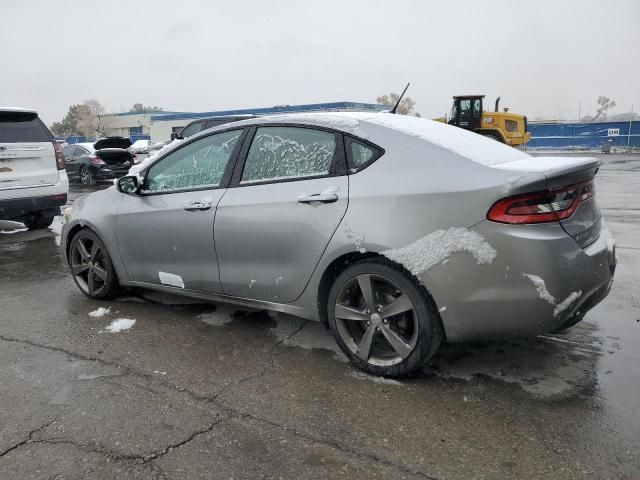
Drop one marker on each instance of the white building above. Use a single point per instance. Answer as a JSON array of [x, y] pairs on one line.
[[159, 125]]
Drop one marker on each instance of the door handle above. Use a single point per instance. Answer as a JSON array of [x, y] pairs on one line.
[[318, 197], [196, 205]]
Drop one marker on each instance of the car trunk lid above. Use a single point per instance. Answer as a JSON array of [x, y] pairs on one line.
[[569, 176], [27, 155]]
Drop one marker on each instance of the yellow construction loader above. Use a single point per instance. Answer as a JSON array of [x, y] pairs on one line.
[[468, 113]]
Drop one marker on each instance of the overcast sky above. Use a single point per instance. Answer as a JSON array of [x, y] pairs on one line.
[[542, 57]]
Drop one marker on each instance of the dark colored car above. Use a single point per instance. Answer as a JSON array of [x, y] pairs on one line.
[[106, 159], [204, 123]]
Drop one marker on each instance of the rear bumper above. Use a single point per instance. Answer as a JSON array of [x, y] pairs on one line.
[[17, 208], [506, 299], [108, 173]]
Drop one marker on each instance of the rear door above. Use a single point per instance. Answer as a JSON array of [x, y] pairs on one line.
[[165, 234], [283, 207], [27, 155]]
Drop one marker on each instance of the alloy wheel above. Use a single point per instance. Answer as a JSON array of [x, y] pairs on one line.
[[376, 320], [88, 265], [85, 176]]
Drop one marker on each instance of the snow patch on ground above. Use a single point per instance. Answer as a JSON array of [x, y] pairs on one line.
[[375, 379], [544, 294], [120, 325], [432, 249], [100, 312], [219, 318]]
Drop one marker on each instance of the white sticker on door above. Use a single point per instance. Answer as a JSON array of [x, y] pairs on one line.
[[171, 279]]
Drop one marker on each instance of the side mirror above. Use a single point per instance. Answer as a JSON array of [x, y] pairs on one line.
[[128, 184]]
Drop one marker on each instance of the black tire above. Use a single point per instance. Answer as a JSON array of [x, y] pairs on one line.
[[86, 177], [570, 322], [492, 136], [38, 222], [91, 268], [419, 328]]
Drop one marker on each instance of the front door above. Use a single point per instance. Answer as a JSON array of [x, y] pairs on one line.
[[275, 221], [165, 233]]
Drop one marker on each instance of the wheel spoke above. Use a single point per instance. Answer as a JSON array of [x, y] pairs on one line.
[[364, 281], [91, 282], [95, 249], [79, 269], [400, 305], [100, 272], [398, 343], [364, 348], [347, 313], [83, 250]]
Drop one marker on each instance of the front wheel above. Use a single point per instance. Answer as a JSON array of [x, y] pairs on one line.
[[492, 136], [91, 266], [383, 319]]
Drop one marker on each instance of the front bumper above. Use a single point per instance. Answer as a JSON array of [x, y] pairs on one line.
[[500, 300]]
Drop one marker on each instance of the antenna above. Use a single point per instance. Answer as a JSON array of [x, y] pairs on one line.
[[395, 107]]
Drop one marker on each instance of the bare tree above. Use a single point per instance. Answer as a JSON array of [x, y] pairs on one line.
[[406, 107], [92, 120], [604, 104]]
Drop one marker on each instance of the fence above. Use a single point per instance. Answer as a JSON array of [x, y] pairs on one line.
[[584, 136]]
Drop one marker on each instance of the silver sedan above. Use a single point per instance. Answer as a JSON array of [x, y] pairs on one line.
[[398, 232]]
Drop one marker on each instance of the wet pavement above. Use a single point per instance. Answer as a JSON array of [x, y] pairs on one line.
[[206, 391]]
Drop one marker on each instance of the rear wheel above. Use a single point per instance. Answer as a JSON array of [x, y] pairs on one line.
[[383, 319], [86, 177], [38, 222], [570, 322], [91, 266], [492, 136]]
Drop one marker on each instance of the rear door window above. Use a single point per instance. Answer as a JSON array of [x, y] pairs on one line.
[[22, 127], [68, 151], [279, 153], [192, 129]]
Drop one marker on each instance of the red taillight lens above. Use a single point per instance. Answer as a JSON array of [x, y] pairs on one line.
[[96, 160], [541, 207], [59, 155]]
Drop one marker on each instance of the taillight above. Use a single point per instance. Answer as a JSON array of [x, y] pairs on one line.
[[96, 160], [59, 155], [540, 207]]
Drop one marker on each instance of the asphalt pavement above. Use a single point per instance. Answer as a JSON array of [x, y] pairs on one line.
[[198, 390]]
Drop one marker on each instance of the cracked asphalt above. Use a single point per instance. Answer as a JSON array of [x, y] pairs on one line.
[[208, 391]]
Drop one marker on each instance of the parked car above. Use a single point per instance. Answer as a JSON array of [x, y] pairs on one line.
[[33, 180], [205, 123], [398, 232], [106, 159], [140, 146]]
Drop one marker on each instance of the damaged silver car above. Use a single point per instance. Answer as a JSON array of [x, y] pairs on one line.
[[398, 232]]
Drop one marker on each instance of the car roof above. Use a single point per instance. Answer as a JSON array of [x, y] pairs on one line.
[[17, 110], [368, 125]]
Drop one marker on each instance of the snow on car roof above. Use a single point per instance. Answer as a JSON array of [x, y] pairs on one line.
[[470, 145], [17, 109]]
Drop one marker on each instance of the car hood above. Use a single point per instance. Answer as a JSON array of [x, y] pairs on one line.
[[112, 142]]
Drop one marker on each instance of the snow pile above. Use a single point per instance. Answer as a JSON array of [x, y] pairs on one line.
[[438, 246], [544, 294], [475, 147], [120, 325], [100, 312]]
